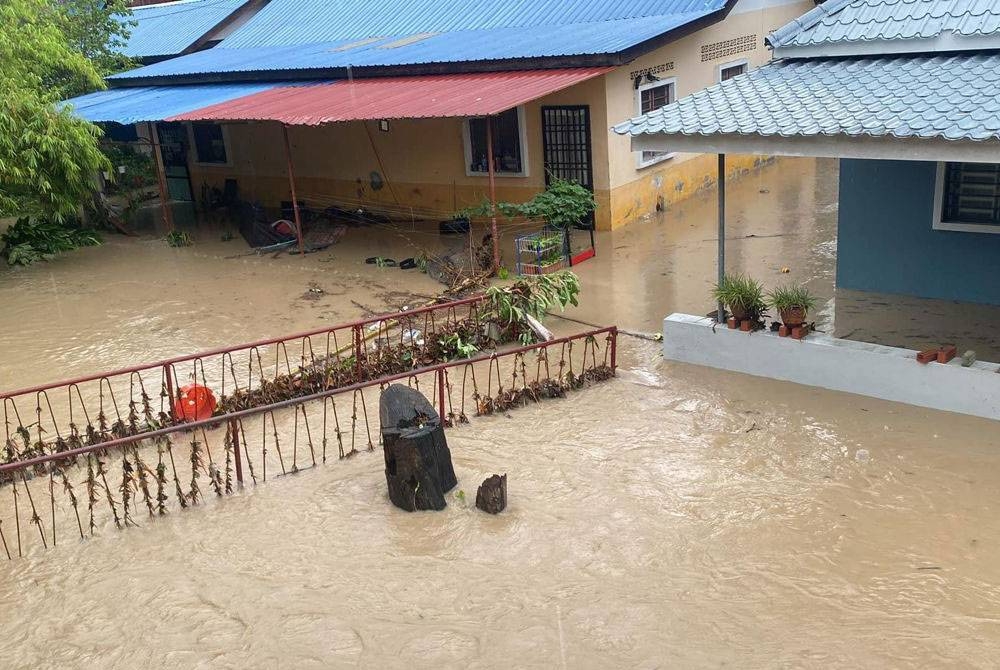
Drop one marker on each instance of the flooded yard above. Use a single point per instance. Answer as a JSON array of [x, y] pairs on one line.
[[674, 517]]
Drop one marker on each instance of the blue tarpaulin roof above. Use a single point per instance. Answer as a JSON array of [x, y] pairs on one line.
[[312, 34], [155, 103], [169, 29]]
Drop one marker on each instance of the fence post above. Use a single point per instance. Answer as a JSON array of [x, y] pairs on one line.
[[440, 385], [358, 349], [614, 349], [168, 373], [234, 431]]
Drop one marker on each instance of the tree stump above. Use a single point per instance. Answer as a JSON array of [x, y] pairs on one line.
[[492, 494], [418, 469]]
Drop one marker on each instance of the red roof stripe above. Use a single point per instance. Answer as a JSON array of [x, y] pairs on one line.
[[473, 94]]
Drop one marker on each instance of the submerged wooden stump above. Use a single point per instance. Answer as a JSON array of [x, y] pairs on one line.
[[418, 469], [492, 494]]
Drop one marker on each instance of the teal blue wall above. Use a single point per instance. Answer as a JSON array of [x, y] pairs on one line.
[[886, 242]]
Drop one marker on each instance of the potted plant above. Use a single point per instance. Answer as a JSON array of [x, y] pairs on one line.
[[743, 296], [793, 304]]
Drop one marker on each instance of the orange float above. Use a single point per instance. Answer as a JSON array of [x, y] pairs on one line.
[[196, 402]]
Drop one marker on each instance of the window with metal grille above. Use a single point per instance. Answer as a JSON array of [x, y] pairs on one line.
[[209, 143], [650, 97], [971, 195], [507, 142], [728, 71]]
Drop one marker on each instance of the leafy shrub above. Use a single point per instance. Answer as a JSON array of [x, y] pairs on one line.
[[788, 297], [740, 292], [532, 296], [31, 240], [562, 204]]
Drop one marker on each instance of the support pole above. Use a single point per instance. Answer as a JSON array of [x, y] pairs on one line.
[[161, 177], [493, 194], [291, 183], [722, 232]]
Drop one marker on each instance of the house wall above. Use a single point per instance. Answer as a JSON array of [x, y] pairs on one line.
[[421, 160], [639, 192], [886, 241]]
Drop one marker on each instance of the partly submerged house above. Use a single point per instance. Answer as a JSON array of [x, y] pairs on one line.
[[392, 103], [907, 94]]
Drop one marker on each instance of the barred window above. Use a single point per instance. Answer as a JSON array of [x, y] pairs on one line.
[[971, 194], [650, 97]]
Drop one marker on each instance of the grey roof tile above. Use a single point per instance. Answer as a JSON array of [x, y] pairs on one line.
[[956, 97], [838, 21]]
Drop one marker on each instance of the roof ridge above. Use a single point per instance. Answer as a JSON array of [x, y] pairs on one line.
[[785, 33]]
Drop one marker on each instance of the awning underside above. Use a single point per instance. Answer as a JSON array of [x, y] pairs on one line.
[[317, 103]]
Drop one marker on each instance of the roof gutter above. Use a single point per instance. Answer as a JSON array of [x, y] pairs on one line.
[[373, 71]]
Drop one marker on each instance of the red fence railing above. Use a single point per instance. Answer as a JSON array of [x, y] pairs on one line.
[[159, 468]]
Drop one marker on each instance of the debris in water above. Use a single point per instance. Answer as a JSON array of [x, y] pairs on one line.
[[861, 455], [968, 358], [492, 494], [418, 469]]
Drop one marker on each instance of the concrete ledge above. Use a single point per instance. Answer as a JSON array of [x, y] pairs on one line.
[[841, 365]]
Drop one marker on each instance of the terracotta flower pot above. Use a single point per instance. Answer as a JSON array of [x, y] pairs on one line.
[[793, 317], [738, 312]]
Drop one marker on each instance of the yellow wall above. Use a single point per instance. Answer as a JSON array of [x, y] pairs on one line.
[[636, 192], [423, 160]]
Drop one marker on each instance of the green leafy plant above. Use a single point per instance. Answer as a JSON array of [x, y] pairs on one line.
[[454, 347], [178, 238], [532, 296], [31, 240], [791, 297], [743, 296], [503, 273], [381, 262], [562, 204]]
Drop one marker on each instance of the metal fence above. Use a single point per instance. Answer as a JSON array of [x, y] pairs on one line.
[[121, 480], [94, 408]]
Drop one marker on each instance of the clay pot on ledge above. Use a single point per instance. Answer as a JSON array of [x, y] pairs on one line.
[[793, 317], [739, 312]]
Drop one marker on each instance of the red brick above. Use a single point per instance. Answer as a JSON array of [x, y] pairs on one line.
[[946, 353], [784, 331], [745, 325], [927, 356]]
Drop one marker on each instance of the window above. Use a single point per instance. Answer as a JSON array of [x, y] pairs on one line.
[[967, 197], [508, 145], [650, 97], [209, 143], [729, 70]]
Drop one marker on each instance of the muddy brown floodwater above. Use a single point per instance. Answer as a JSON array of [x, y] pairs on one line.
[[675, 517]]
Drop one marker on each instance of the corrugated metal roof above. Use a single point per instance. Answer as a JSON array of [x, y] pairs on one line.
[[488, 43], [296, 22], [951, 97], [845, 21], [395, 97], [155, 103], [169, 29]]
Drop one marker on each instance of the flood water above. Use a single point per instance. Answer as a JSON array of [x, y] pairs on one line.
[[674, 517]]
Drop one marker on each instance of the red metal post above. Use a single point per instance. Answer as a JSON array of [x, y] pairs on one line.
[[614, 349], [493, 194], [291, 183], [440, 385], [358, 350], [161, 177], [234, 431], [168, 374]]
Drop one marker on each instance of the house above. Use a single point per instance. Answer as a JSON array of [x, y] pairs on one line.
[[168, 29], [906, 93], [428, 106]]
